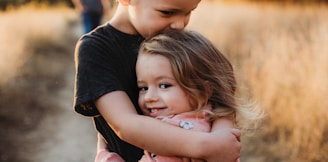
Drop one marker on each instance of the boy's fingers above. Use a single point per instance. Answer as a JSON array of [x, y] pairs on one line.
[[237, 133]]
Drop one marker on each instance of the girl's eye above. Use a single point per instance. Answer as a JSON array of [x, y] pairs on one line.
[[143, 88], [164, 86]]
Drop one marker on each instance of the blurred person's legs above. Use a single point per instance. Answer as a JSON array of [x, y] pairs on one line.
[[91, 21]]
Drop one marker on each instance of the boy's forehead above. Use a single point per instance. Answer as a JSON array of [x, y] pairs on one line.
[[177, 4]]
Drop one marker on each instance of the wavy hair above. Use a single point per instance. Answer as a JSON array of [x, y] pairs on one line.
[[202, 71]]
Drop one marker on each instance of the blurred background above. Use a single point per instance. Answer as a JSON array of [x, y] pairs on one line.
[[279, 50]]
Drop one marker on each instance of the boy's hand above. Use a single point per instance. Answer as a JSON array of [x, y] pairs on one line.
[[227, 146]]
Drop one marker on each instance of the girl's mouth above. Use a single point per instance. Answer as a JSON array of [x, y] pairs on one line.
[[154, 112]]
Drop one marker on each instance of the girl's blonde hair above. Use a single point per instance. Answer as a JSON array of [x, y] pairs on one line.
[[202, 71]]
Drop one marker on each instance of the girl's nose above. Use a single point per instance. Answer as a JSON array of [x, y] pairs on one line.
[[151, 96]]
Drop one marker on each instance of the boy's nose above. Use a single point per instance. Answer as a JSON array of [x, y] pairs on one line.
[[180, 23]]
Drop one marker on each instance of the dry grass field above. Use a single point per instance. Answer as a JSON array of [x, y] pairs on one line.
[[280, 55]]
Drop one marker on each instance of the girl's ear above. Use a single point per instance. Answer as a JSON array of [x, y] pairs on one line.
[[124, 2]]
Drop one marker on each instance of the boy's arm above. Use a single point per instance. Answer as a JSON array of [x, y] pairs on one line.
[[219, 125], [156, 136]]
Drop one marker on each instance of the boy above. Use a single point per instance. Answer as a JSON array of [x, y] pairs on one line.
[[106, 88]]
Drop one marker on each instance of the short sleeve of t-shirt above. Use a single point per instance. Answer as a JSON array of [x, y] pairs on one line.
[[105, 62]]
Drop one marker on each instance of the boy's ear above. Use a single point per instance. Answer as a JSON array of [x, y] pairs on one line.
[[124, 2]]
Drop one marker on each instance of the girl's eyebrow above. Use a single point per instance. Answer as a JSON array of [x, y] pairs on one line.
[[159, 78]]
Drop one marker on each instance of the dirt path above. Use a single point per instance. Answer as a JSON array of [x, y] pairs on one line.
[[73, 138], [64, 135]]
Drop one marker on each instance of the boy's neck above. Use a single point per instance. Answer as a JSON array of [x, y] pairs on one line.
[[121, 21]]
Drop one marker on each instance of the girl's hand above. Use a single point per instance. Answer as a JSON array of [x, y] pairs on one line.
[[103, 155]]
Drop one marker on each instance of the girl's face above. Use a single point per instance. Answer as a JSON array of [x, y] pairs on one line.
[[159, 92], [149, 17]]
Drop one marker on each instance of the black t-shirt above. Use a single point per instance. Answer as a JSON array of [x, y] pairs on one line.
[[105, 62]]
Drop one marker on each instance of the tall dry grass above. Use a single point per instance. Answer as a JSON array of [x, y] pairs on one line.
[[26, 28], [281, 59]]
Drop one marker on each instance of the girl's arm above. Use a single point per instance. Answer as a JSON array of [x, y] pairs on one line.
[[156, 136], [101, 143]]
